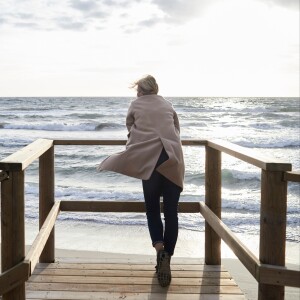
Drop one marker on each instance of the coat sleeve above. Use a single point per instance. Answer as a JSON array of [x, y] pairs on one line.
[[176, 121], [129, 118]]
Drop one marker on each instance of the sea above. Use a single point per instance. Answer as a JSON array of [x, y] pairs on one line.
[[270, 126]]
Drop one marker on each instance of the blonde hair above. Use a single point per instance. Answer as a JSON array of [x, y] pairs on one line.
[[147, 85]]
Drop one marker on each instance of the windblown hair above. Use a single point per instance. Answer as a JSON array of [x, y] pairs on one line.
[[147, 85]]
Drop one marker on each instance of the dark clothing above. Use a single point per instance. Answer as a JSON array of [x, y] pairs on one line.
[[153, 188]]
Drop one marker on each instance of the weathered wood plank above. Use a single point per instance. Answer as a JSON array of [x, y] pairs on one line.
[[124, 266], [292, 176], [41, 239], [130, 259], [131, 288], [272, 246], [12, 228], [276, 275], [13, 277], [250, 156], [120, 206], [213, 201], [21, 159], [127, 280], [144, 273], [3, 175], [68, 295], [248, 259], [116, 279], [46, 200], [119, 142]]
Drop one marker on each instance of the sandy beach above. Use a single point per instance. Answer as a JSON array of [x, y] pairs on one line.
[[111, 241]]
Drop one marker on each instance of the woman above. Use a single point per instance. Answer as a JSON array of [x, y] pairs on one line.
[[154, 154]]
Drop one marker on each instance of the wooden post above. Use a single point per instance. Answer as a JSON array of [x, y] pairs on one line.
[[272, 228], [13, 228], [213, 201], [46, 181]]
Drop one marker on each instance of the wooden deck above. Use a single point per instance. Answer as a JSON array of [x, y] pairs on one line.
[[130, 279]]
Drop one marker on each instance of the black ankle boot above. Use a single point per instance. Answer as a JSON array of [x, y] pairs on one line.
[[163, 269]]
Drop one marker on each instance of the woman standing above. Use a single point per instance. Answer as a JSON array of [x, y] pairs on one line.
[[154, 154]]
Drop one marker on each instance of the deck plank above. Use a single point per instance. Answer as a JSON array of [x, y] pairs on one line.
[[138, 273], [124, 280], [130, 280], [62, 295], [126, 266]]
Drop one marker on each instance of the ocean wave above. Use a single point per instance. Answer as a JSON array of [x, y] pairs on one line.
[[228, 176], [194, 124], [86, 115], [290, 123], [13, 143], [105, 218], [103, 126], [233, 176], [196, 179], [61, 126], [264, 126], [289, 143], [268, 126]]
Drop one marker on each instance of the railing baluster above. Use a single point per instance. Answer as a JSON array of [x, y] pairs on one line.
[[213, 201], [12, 227], [275, 175], [272, 228], [46, 184]]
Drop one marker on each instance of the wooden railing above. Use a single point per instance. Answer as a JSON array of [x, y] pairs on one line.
[[269, 269]]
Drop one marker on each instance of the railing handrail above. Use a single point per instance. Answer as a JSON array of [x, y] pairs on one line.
[[250, 156], [292, 176], [23, 158], [274, 172]]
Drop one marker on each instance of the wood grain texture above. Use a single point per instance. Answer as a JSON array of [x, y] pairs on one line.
[[21, 159], [213, 201], [129, 280]]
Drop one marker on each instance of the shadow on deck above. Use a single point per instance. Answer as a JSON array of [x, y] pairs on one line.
[[128, 278]]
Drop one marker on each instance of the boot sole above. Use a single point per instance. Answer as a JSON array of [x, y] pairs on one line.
[[164, 271]]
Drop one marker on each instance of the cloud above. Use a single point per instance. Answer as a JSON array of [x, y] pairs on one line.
[[2, 20], [18, 19], [292, 4], [51, 15], [89, 8], [24, 16], [182, 11], [98, 14], [26, 25], [78, 14], [150, 22], [110, 3], [84, 6], [69, 24]]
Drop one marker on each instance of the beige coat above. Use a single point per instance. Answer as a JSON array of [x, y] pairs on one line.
[[152, 124]]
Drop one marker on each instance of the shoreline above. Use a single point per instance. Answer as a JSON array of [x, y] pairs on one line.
[[129, 239]]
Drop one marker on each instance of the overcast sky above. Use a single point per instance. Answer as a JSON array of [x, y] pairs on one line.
[[192, 47]]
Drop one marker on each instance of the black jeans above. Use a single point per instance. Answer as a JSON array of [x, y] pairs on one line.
[[153, 188]]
